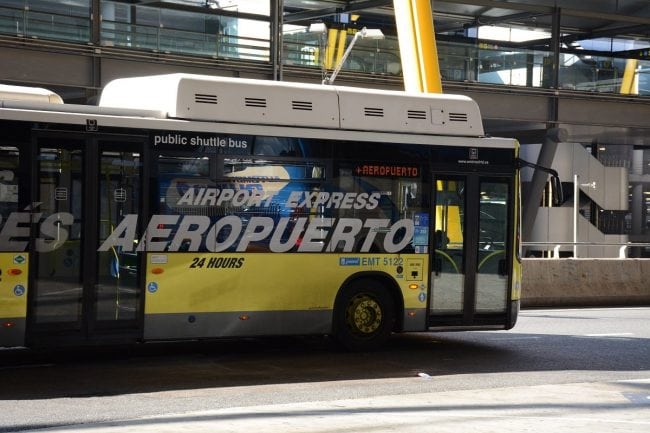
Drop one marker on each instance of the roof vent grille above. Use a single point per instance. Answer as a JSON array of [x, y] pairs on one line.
[[458, 117], [302, 105], [416, 114], [204, 98], [373, 112], [255, 102]]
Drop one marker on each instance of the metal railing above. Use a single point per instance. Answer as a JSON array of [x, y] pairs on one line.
[[166, 40], [33, 24]]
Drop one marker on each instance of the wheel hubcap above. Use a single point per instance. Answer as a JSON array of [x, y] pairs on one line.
[[364, 315]]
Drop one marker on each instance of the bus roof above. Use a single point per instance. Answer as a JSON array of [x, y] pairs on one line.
[[264, 102], [34, 94]]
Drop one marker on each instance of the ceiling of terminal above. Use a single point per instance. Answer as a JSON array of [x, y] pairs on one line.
[[589, 19]]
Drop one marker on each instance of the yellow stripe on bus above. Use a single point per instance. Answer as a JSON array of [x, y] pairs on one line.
[[211, 282], [13, 285]]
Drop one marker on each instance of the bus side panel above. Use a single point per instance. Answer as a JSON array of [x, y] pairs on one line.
[[203, 295], [13, 298]]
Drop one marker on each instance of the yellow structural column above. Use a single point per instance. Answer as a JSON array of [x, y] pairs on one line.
[[336, 40], [629, 83], [330, 50], [340, 47], [417, 45]]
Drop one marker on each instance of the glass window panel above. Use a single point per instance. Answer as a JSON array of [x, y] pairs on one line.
[[449, 263], [492, 278], [386, 206], [77, 8], [59, 257], [117, 294], [215, 213]]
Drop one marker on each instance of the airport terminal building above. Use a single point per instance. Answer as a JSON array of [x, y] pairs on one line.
[[570, 80]]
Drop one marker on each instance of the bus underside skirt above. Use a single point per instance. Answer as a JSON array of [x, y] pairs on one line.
[[236, 324], [414, 319], [451, 328], [12, 331], [457, 322]]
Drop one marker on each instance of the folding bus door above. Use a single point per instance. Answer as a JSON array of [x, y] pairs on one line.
[[471, 227], [81, 292]]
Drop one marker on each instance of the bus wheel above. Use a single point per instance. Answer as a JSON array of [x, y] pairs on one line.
[[365, 315]]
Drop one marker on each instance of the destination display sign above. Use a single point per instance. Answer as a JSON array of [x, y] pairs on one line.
[[370, 169]]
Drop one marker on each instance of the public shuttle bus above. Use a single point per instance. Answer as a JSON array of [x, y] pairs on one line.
[[192, 207]]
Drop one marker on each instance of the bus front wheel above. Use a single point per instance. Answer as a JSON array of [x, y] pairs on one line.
[[365, 315]]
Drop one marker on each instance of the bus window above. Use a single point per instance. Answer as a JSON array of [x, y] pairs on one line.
[[290, 147], [116, 292], [273, 195], [185, 186], [176, 176], [492, 275], [59, 256], [392, 202], [276, 146], [246, 168], [449, 263], [284, 193]]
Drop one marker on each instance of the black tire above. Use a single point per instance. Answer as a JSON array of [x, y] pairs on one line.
[[364, 315]]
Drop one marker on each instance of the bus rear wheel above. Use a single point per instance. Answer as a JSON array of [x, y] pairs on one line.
[[365, 315]]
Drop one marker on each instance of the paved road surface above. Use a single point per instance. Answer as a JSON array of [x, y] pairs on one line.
[[558, 370]]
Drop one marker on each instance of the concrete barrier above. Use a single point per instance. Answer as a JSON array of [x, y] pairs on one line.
[[585, 282]]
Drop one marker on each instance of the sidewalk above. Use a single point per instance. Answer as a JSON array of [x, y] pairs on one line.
[[573, 408]]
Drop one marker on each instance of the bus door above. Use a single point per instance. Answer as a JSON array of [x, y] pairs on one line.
[[470, 277], [81, 292]]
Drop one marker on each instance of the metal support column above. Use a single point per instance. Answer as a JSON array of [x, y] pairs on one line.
[[637, 205], [555, 77], [277, 8], [95, 39], [532, 199]]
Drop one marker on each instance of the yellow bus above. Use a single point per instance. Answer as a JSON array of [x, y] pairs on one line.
[[195, 207]]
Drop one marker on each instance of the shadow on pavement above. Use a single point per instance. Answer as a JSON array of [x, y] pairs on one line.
[[92, 372]]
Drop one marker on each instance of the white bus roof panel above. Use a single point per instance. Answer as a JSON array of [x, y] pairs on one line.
[[236, 100], [221, 99], [34, 94], [424, 113]]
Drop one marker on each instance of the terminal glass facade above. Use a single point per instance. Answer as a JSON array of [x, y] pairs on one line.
[[241, 29]]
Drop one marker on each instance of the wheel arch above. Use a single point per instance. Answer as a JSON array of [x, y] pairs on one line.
[[387, 281]]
